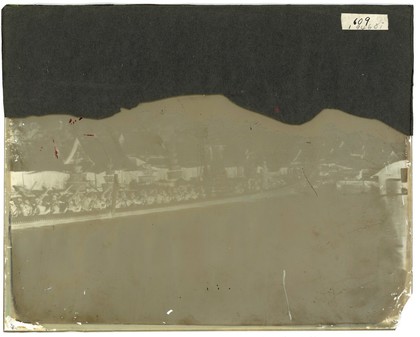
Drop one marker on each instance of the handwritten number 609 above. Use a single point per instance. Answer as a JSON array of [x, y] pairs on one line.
[[360, 21]]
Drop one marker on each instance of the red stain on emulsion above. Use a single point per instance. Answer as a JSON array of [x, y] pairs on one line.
[[55, 150], [72, 121], [277, 109]]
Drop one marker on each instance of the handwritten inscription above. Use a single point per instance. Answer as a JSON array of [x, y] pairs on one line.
[[354, 21]]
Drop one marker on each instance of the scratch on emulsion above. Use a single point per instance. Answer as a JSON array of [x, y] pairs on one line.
[[313, 189], [285, 294]]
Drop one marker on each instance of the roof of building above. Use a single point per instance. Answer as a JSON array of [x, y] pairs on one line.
[[99, 154]]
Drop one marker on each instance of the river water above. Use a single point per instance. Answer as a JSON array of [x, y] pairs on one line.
[[286, 260]]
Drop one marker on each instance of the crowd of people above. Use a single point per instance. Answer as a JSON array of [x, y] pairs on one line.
[[88, 199]]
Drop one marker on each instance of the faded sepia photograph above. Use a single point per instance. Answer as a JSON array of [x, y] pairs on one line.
[[207, 167], [194, 211]]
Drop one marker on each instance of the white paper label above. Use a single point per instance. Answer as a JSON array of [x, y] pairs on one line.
[[354, 21]]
